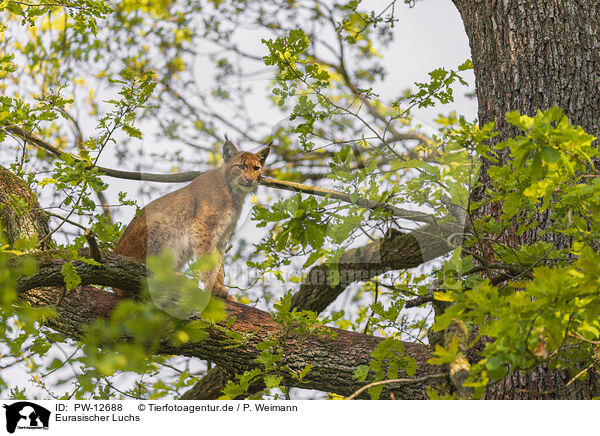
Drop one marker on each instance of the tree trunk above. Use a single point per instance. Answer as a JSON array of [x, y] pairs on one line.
[[20, 212], [530, 55], [535, 54]]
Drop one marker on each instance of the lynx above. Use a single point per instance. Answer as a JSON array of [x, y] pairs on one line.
[[199, 218]]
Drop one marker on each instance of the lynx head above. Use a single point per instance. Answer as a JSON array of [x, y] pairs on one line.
[[243, 169]]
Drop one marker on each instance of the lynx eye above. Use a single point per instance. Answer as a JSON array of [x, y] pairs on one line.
[[256, 168]]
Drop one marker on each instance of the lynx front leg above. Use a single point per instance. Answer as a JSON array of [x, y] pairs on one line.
[[214, 280], [208, 237]]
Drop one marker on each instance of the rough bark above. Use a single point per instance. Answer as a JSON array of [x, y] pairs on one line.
[[334, 359], [529, 55], [535, 54], [394, 251], [334, 354]]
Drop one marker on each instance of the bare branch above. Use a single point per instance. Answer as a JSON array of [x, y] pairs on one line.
[[272, 183], [116, 271], [94, 249]]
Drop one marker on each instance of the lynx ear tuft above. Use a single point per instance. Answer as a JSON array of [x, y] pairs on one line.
[[262, 155], [229, 150]]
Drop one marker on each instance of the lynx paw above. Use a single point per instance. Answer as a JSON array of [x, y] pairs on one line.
[[221, 292]]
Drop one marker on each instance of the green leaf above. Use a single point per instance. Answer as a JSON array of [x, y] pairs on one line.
[[72, 279], [272, 381], [132, 131], [361, 372]]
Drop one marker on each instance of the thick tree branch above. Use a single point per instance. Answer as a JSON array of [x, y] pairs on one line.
[[396, 380], [115, 271], [393, 252], [333, 359]]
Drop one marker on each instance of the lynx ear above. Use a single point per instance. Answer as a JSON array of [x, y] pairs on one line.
[[229, 150], [262, 155]]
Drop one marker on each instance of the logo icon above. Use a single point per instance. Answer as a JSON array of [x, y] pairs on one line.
[[24, 414]]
